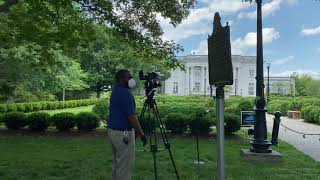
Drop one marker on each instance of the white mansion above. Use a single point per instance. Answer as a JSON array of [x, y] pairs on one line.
[[195, 80]]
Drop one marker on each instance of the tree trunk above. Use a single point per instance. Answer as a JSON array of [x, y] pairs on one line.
[[98, 89], [64, 94]]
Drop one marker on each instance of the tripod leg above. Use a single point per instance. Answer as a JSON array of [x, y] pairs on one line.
[[164, 136], [153, 145], [152, 140]]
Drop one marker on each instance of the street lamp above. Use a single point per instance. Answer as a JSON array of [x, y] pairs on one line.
[[260, 143], [268, 83]]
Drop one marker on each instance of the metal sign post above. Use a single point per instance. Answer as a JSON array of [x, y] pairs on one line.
[[220, 131]]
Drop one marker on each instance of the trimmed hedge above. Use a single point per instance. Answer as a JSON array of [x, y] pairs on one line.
[[232, 123], [15, 120], [38, 121], [101, 109], [64, 121], [37, 106], [147, 124], [201, 126], [175, 122], [87, 121]]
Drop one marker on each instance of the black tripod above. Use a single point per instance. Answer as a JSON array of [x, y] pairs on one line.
[[150, 105]]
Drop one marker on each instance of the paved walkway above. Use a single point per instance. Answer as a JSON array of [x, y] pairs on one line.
[[309, 145]]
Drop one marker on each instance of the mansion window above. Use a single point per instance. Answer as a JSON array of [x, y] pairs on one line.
[[196, 87], [251, 89], [175, 87], [251, 73], [197, 72]]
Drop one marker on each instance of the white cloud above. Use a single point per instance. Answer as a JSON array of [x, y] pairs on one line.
[[243, 45], [267, 9], [283, 60], [311, 31], [200, 20]]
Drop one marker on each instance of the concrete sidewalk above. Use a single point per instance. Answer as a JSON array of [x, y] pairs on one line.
[[309, 145]]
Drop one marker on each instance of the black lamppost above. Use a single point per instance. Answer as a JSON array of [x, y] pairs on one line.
[[268, 83], [260, 143]]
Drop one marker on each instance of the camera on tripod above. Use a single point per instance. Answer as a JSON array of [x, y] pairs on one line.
[[152, 80]]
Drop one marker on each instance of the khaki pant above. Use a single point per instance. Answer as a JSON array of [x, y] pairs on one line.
[[123, 154]]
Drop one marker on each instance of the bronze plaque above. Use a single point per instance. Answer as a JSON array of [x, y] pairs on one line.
[[219, 54]]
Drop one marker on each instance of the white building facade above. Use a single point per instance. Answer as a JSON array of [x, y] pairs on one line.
[[195, 80]]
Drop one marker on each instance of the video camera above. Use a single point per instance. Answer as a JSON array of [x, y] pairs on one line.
[[152, 81]]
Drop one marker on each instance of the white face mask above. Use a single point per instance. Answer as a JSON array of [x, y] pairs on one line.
[[131, 83]]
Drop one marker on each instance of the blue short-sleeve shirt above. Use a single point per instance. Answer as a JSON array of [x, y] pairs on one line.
[[122, 105]]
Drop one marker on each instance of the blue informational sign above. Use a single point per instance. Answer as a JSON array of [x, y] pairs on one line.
[[248, 118]]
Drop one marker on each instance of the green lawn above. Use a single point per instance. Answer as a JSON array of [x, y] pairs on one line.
[[71, 110], [52, 158]]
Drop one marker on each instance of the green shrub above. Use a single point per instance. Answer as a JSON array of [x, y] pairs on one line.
[[232, 123], [61, 105], [101, 109], [36, 106], [44, 105], [232, 110], [246, 105], [87, 121], [52, 105], [38, 121], [3, 108], [306, 111], [1, 119], [64, 121], [147, 124], [28, 107], [201, 126], [20, 107], [11, 107], [175, 122], [314, 115], [15, 120]]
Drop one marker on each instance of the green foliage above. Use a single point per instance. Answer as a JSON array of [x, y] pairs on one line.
[[246, 105], [232, 123], [38, 121], [87, 121], [20, 107], [28, 107], [175, 122], [52, 105], [201, 126], [3, 108], [64, 121], [147, 124], [15, 120], [101, 108], [281, 105], [11, 107], [37, 106], [1, 119]]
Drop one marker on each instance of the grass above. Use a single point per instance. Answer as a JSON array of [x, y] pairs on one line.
[[87, 158], [71, 110]]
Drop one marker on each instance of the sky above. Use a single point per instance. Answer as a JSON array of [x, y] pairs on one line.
[[291, 32]]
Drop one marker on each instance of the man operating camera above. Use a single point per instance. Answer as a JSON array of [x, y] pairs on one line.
[[122, 126]]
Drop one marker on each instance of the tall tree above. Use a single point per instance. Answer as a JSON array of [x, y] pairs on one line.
[[135, 20]]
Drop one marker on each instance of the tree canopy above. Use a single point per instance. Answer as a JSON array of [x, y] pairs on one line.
[[47, 46]]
